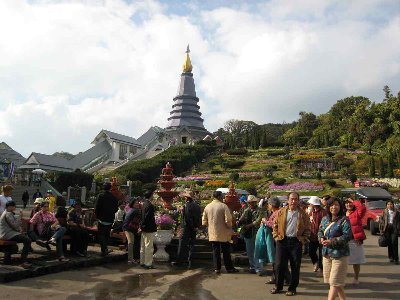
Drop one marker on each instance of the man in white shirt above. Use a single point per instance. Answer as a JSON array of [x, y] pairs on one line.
[[5, 197]]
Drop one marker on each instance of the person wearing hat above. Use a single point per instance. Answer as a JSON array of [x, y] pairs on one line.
[[77, 230], [105, 209], [36, 208], [52, 200], [10, 230], [130, 227], [316, 214], [5, 197], [355, 211], [250, 221], [218, 218], [191, 221]]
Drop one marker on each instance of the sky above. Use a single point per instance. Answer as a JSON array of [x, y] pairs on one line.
[[71, 68]]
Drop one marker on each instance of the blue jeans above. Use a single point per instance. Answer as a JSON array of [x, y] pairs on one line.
[[58, 235], [254, 263]]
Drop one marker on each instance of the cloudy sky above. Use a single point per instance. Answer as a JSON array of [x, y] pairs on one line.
[[71, 68]]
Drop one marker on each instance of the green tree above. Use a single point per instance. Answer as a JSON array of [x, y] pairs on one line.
[[390, 172], [381, 167], [371, 166]]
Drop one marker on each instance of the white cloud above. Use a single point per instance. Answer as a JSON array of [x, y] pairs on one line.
[[69, 69]]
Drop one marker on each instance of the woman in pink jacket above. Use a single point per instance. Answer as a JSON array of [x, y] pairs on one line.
[[355, 211]]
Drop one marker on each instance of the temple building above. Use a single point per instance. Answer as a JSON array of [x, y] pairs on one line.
[[112, 150], [185, 124]]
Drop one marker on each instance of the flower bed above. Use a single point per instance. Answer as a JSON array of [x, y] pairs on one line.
[[296, 186], [373, 183]]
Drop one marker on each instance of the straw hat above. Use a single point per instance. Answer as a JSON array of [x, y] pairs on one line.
[[252, 198], [38, 201], [187, 193]]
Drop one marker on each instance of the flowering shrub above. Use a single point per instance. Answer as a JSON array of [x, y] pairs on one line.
[[373, 183], [393, 182], [297, 186], [215, 183], [193, 177], [308, 156], [165, 222]]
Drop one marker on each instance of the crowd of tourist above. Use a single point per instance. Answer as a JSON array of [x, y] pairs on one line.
[[328, 229]]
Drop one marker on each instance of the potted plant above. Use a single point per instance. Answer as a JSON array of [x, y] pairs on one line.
[[165, 225]]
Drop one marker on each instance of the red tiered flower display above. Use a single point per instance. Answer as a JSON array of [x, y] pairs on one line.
[[166, 182]]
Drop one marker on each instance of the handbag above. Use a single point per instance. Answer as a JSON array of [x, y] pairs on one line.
[[382, 241], [47, 231]]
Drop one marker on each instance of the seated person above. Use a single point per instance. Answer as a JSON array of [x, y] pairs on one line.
[[11, 230], [36, 208], [76, 228], [48, 229]]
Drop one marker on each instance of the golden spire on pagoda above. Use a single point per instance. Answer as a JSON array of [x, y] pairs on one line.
[[187, 65]]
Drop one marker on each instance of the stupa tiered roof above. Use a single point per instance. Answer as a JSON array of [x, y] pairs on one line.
[[185, 110]]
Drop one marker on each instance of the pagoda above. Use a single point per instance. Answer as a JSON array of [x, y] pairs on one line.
[[185, 124]]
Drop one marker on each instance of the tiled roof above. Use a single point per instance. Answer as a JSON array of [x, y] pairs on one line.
[[121, 138], [8, 154], [49, 161], [91, 154], [149, 135]]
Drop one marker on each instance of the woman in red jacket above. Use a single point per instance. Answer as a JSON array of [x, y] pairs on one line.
[[355, 211]]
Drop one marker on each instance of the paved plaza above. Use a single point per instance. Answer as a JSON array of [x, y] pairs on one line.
[[379, 280]]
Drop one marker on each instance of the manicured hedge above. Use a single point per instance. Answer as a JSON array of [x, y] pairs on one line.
[[182, 159], [232, 164], [77, 178], [279, 181], [241, 151]]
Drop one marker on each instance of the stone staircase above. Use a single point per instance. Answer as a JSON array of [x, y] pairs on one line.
[[202, 249], [20, 189]]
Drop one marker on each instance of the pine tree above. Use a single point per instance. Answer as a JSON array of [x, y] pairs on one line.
[[381, 167], [372, 167], [390, 173]]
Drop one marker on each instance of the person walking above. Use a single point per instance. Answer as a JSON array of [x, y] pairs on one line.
[[274, 206], [218, 218], [355, 211], [191, 221], [25, 198], [105, 209], [334, 234], [130, 226], [5, 197], [250, 221], [316, 214], [291, 230], [391, 230], [148, 228]]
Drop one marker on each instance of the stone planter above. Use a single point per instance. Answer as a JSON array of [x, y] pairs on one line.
[[162, 238]]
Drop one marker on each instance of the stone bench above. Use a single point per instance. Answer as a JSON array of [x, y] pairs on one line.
[[9, 248]]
